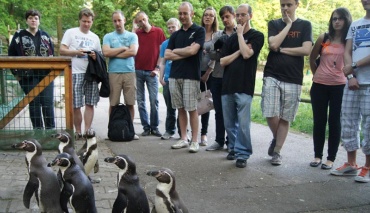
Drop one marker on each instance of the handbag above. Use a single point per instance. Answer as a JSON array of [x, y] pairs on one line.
[[205, 102]]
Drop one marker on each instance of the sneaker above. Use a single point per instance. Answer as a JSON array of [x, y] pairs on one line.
[[146, 132], [136, 137], [345, 170], [194, 147], [156, 132], [203, 143], [180, 144], [166, 136], [241, 163], [363, 177], [270, 151], [215, 146], [231, 155], [276, 159]]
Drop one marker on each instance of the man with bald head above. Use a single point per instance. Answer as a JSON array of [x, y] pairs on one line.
[[185, 51], [239, 57]]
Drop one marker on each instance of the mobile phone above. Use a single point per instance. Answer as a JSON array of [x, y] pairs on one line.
[[88, 52]]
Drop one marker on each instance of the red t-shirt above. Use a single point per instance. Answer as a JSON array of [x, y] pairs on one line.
[[148, 52]]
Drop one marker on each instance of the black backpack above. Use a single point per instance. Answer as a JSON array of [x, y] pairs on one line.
[[120, 126]]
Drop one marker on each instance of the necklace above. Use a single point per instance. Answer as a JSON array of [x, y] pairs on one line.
[[335, 61]]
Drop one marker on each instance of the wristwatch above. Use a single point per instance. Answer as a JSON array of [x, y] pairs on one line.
[[350, 76], [354, 65]]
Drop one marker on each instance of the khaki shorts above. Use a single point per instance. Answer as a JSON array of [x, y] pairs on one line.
[[184, 93], [125, 82], [280, 99]]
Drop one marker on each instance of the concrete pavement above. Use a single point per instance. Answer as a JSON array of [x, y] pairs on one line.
[[206, 181]]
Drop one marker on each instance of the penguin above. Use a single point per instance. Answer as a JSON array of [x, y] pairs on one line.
[[81, 192], [131, 197], [89, 152], [43, 182], [167, 199], [67, 145]]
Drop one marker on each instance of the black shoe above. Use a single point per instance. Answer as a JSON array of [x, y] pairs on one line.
[[146, 132], [241, 163], [231, 155], [156, 133], [270, 151]]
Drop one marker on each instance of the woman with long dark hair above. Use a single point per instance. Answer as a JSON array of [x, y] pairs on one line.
[[328, 84]]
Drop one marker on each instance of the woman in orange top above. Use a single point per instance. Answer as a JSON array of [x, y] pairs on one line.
[[327, 87]]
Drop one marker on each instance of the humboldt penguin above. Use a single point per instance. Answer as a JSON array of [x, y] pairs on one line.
[[42, 181], [89, 152], [131, 197], [81, 195], [167, 199], [67, 145]]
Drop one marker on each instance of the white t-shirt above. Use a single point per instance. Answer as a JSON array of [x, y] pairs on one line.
[[74, 39], [359, 32]]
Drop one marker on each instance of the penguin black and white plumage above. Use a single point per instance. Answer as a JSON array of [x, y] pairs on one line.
[[89, 152], [167, 199], [82, 197], [67, 145], [131, 197], [42, 181]]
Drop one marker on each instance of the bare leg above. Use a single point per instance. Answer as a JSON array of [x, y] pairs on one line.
[[273, 123], [132, 111], [88, 116], [351, 156], [194, 125], [77, 119], [183, 120]]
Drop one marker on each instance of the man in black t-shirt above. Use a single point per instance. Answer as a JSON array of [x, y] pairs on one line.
[[239, 57], [185, 50], [290, 38]]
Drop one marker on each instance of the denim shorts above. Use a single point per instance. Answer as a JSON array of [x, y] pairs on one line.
[[184, 93], [84, 92], [280, 99]]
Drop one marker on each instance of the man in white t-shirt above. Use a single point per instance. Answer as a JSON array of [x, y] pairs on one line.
[[79, 42], [355, 112]]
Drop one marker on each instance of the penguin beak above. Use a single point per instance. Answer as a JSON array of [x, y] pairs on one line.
[[55, 135], [20, 145], [110, 160], [153, 173], [54, 162]]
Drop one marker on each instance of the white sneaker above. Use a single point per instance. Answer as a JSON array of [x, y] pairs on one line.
[[166, 136], [194, 147], [136, 137], [180, 144]]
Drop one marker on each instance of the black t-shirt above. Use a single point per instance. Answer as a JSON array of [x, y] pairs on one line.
[[187, 68], [284, 67], [240, 75]]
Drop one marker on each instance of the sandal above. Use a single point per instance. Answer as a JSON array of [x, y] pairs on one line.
[[327, 166], [315, 163]]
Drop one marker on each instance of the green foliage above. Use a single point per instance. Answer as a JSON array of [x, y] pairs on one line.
[[159, 11]]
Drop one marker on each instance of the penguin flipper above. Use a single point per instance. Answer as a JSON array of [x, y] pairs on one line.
[[65, 194], [29, 190], [120, 203], [96, 167], [154, 210]]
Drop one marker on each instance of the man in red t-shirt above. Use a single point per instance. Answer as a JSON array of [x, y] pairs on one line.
[[147, 70]]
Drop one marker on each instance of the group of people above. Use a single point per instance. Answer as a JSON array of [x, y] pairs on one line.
[[196, 58]]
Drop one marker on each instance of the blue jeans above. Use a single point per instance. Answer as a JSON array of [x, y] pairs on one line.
[[143, 77], [171, 112], [216, 89], [237, 119], [42, 107]]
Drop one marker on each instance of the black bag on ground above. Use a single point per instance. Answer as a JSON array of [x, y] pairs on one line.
[[120, 126]]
